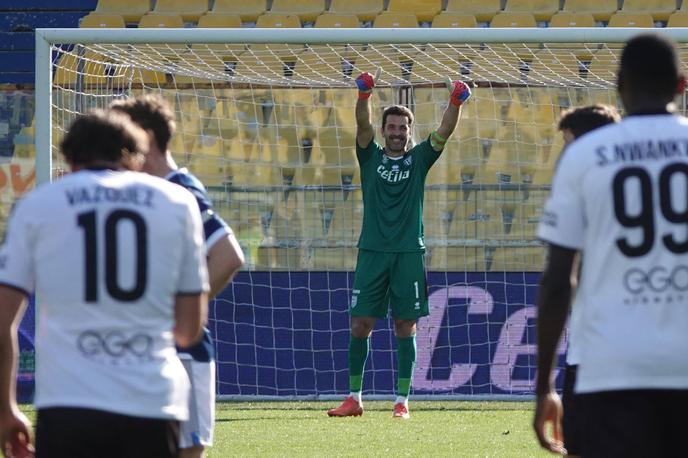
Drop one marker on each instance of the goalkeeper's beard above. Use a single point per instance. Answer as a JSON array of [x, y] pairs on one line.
[[394, 146]]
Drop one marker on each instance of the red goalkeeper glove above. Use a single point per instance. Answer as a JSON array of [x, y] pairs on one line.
[[460, 94], [365, 83]]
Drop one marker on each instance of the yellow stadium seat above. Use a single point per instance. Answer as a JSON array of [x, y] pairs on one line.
[[158, 20], [542, 10], [621, 19], [189, 10], [94, 69], [322, 63], [102, 20], [396, 67], [660, 10], [273, 20], [554, 67], [601, 10], [483, 10], [337, 21], [513, 20], [130, 10], [396, 20], [248, 10], [566, 19], [219, 20], [452, 20], [306, 10], [366, 10], [424, 10], [678, 19]]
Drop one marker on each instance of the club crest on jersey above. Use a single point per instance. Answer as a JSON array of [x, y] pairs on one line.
[[385, 159], [408, 161]]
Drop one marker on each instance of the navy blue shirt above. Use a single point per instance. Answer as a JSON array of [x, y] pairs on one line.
[[214, 228]]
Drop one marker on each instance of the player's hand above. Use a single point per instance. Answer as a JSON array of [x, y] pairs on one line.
[[365, 83], [15, 434], [460, 93], [548, 410]]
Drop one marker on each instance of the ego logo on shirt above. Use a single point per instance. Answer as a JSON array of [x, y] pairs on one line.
[[114, 345], [656, 280]]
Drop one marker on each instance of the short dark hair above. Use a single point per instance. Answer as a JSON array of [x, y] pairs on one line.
[[104, 137], [151, 112], [396, 110], [650, 65], [581, 120]]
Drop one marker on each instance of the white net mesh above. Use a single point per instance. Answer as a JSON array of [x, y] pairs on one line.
[[270, 130]]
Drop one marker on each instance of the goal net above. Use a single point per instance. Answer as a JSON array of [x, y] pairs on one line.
[[266, 120]]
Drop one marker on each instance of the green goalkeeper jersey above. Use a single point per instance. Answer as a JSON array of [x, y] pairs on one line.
[[393, 191]]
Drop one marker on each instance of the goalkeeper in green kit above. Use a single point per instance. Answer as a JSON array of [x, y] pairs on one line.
[[391, 264]]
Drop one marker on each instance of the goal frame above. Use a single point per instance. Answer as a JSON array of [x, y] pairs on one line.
[[45, 37]]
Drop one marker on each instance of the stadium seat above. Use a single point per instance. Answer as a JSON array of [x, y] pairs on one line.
[[483, 10], [513, 20], [567, 19], [337, 21], [102, 20], [248, 10], [366, 10], [601, 10], [622, 19], [158, 20], [273, 20], [130, 10], [388, 60], [189, 10], [306, 10], [660, 10], [678, 19], [542, 10], [424, 10], [395, 20], [219, 20], [554, 67], [452, 20]]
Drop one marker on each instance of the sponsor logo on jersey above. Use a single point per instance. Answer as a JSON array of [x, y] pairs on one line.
[[657, 284], [115, 347], [394, 175]]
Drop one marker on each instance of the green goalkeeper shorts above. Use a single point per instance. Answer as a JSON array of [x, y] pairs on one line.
[[383, 278]]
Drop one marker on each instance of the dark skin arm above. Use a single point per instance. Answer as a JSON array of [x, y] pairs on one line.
[[554, 301]]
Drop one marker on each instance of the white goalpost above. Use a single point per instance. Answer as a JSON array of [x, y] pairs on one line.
[[265, 119]]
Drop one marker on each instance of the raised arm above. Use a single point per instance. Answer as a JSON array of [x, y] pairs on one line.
[[460, 93], [364, 128]]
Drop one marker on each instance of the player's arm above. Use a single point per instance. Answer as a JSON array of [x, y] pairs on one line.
[[190, 316], [554, 300], [225, 258], [15, 428], [460, 93], [364, 127]]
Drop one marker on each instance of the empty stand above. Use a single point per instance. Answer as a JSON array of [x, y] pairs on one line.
[[601, 10], [660, 10], [130, 10], [424, 10], [513, 20], [219, 20], [159, 20], [452, 20], [396, 20], [366, 10], [622, 19], [189, 10], [274, 20], [306, 10], [337, 20], [248, 10], [678, 19], [483, 10]]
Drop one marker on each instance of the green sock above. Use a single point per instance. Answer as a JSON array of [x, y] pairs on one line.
[[406, 359], [358, 353]]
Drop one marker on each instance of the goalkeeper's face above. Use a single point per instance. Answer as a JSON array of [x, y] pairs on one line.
[[396, 132]]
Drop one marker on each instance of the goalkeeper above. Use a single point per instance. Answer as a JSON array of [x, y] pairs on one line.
[[391, 266]]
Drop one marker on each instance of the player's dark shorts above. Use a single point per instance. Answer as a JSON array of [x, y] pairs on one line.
[[65, 432], [396, 279], [571, 422], [634, 423]]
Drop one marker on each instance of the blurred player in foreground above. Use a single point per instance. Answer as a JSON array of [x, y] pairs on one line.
[[391, 260], [574, 123], [619, 197], [224, 257], [116, 260]]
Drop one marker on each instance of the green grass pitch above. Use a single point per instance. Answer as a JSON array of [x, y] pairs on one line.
[[436, 428]]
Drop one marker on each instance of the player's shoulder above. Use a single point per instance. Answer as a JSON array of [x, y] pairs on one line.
[[183, 177]]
